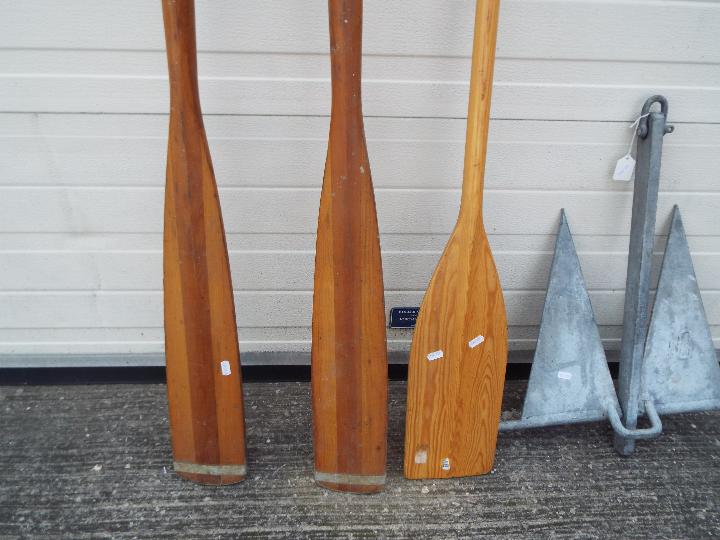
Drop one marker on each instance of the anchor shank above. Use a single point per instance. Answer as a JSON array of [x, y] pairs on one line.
[[637, 288]]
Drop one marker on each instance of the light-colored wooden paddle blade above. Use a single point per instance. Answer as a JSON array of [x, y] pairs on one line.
[[203, 361], [349, 358], [459, 350]]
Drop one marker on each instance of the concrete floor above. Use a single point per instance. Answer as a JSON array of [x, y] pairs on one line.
[[94, 461]]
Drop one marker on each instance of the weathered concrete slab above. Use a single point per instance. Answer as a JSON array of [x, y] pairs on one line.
[[93, 461]]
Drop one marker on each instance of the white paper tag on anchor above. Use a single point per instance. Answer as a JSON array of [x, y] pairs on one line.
[[624, 168]]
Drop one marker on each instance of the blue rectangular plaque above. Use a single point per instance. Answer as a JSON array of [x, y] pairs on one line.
[[403, 317]]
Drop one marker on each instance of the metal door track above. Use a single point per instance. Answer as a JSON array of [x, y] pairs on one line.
[[667, 365]]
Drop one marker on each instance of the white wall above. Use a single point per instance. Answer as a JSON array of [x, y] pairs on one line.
[[83, 102]]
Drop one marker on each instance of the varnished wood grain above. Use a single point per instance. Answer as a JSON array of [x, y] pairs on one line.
[[349, 358], [453, 406], [205, 406]]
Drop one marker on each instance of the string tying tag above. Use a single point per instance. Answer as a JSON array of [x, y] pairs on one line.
[[625, 166]]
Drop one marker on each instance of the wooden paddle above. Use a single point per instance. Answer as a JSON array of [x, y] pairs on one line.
[[349, 358], [459, 350], [201, 347]]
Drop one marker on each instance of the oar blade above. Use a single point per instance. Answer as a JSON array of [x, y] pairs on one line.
[[457, 367], [349, 358]]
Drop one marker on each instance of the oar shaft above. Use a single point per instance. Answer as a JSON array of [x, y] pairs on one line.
[[481, 82], [179, 19], [346, 55]]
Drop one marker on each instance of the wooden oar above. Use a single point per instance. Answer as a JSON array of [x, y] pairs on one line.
[[459, 349], [349, 358], [201, 347]]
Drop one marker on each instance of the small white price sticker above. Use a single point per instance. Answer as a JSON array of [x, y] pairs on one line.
[[476, 341], [624, 168], [225, 368], [434, 355]]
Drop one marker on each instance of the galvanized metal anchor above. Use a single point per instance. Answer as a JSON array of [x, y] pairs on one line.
[[668, 365]]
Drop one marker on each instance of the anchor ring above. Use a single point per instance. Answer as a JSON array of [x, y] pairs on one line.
[[642, 130]]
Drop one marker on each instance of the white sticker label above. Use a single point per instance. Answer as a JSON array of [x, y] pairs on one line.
[[434, 355], [476, 341], [445, 464], [624, 168], [225, 367], [421, 457], [564, 375]]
